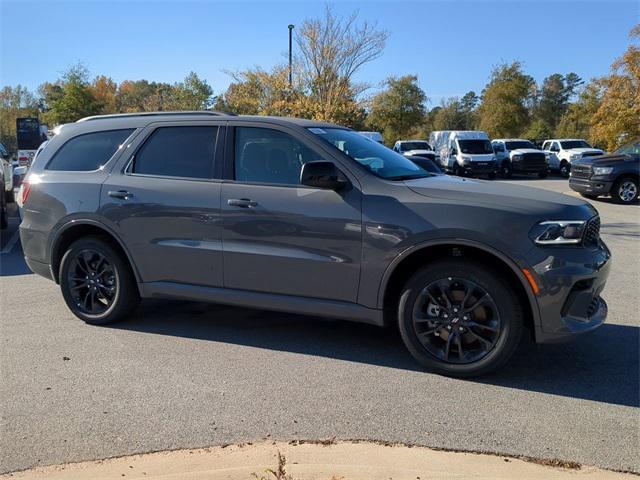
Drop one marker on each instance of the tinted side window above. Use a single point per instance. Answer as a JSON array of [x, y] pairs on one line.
[[269, 156], [89, 151], [178, 152]]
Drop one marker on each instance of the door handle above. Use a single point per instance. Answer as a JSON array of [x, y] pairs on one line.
[[123, 194], [241, 202]]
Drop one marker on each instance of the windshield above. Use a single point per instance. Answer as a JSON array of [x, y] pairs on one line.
[[378, 159], [519, 144], [575, 144], [406, 146], [475, 147], [629, 149]]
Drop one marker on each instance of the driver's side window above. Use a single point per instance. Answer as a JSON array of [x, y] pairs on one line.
[[555, 147], [265, 155]]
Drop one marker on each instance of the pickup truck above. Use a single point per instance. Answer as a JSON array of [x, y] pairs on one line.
[[616, 175], [516, 155], [561, 152]]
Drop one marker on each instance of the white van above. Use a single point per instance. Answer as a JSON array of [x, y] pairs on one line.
[[464, 152]]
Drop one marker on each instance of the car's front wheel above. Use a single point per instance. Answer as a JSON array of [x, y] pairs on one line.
[[505, 169], [565, 168], [625, 190], [460, 318], [97, 283]]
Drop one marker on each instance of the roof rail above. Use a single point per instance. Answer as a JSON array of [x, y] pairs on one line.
[[150, 114]]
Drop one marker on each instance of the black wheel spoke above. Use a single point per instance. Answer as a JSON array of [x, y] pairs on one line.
[[480, 325], [459, 344], [447, 347], [480, 301], [481, 339], [85, 284]]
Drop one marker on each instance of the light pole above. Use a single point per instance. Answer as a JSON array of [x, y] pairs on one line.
[[290, 66]]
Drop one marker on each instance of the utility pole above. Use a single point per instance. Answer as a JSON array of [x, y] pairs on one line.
[[290, 62]]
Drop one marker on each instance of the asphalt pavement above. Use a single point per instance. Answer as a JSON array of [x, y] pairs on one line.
[[184, 375]]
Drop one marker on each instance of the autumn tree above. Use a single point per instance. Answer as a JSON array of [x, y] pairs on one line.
[[503, 111], [617, 119], [104, 90], [399, 109], [331, 50], [576, 121]]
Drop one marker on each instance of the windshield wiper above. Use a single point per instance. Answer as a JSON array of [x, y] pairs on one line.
[[411, 177]]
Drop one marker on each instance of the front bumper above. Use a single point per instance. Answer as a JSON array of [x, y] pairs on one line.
[[479, 168], [592, 186], [571, 282]]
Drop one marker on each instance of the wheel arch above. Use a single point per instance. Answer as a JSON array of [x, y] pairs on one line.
[[75, 229], [411, 260]]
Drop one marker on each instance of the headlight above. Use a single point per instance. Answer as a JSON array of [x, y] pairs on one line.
[[558, 232], [575, 156], [517, 158], [465, 160], [602, 170]]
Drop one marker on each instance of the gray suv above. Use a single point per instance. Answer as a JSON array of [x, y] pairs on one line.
[[308, 217]]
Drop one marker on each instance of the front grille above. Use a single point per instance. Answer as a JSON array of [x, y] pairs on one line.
[[580, 171], [591, 154], [591, 234], [534, 160]]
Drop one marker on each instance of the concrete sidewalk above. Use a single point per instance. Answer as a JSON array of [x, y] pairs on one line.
[[315, 461]]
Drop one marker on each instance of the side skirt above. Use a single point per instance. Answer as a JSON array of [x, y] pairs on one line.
[[267, 301]]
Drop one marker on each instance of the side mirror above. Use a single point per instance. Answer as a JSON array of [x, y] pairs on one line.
[[322, 174]]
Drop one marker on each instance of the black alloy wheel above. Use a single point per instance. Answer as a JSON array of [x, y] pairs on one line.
[[460, 318], [456, 320], [92, 281], [565, 168], [97, 282]]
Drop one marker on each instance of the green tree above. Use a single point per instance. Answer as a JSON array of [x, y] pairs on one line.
[[554, 98], [503, 111], [399, 109], [451, 115], [70, 98], [192, 93], [576, 121]]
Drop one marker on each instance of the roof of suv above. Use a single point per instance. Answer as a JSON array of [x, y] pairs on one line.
[[143, 118]]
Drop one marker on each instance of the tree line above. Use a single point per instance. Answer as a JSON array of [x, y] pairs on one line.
[[329, 53]]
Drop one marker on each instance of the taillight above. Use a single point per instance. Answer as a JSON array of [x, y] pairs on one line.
[[23, 194]]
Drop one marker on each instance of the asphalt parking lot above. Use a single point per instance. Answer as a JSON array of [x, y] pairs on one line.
[[183, 375]]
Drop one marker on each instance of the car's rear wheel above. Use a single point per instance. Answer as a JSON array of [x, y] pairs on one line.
[[565, 168], [625, 190], [460, 318], [96, 282]]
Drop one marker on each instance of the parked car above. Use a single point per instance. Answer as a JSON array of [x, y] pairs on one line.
[[414, 148], [3, 206], [308, 217], [562, 152], [426, 164], [616, 174], [375, 136], [7, 174], [516, 155], [464, 152]]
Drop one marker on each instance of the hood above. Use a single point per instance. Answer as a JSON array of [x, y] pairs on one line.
[[604, 160], [408, 153], [520, 151], [543, 204], [584, 150]]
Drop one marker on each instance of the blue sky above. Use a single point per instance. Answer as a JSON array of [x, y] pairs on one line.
[[451, 46]]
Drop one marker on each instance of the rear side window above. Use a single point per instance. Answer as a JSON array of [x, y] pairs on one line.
[[178, 152], [89, 151]]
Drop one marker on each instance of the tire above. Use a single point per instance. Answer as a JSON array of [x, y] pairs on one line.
[[543, 175], [506, 321], [457, 171], [9, 196], [565, 168], [505, 169], [116, 286], [625, 190]]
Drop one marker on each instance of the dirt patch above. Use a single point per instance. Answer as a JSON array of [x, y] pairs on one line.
[[317, 460]]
